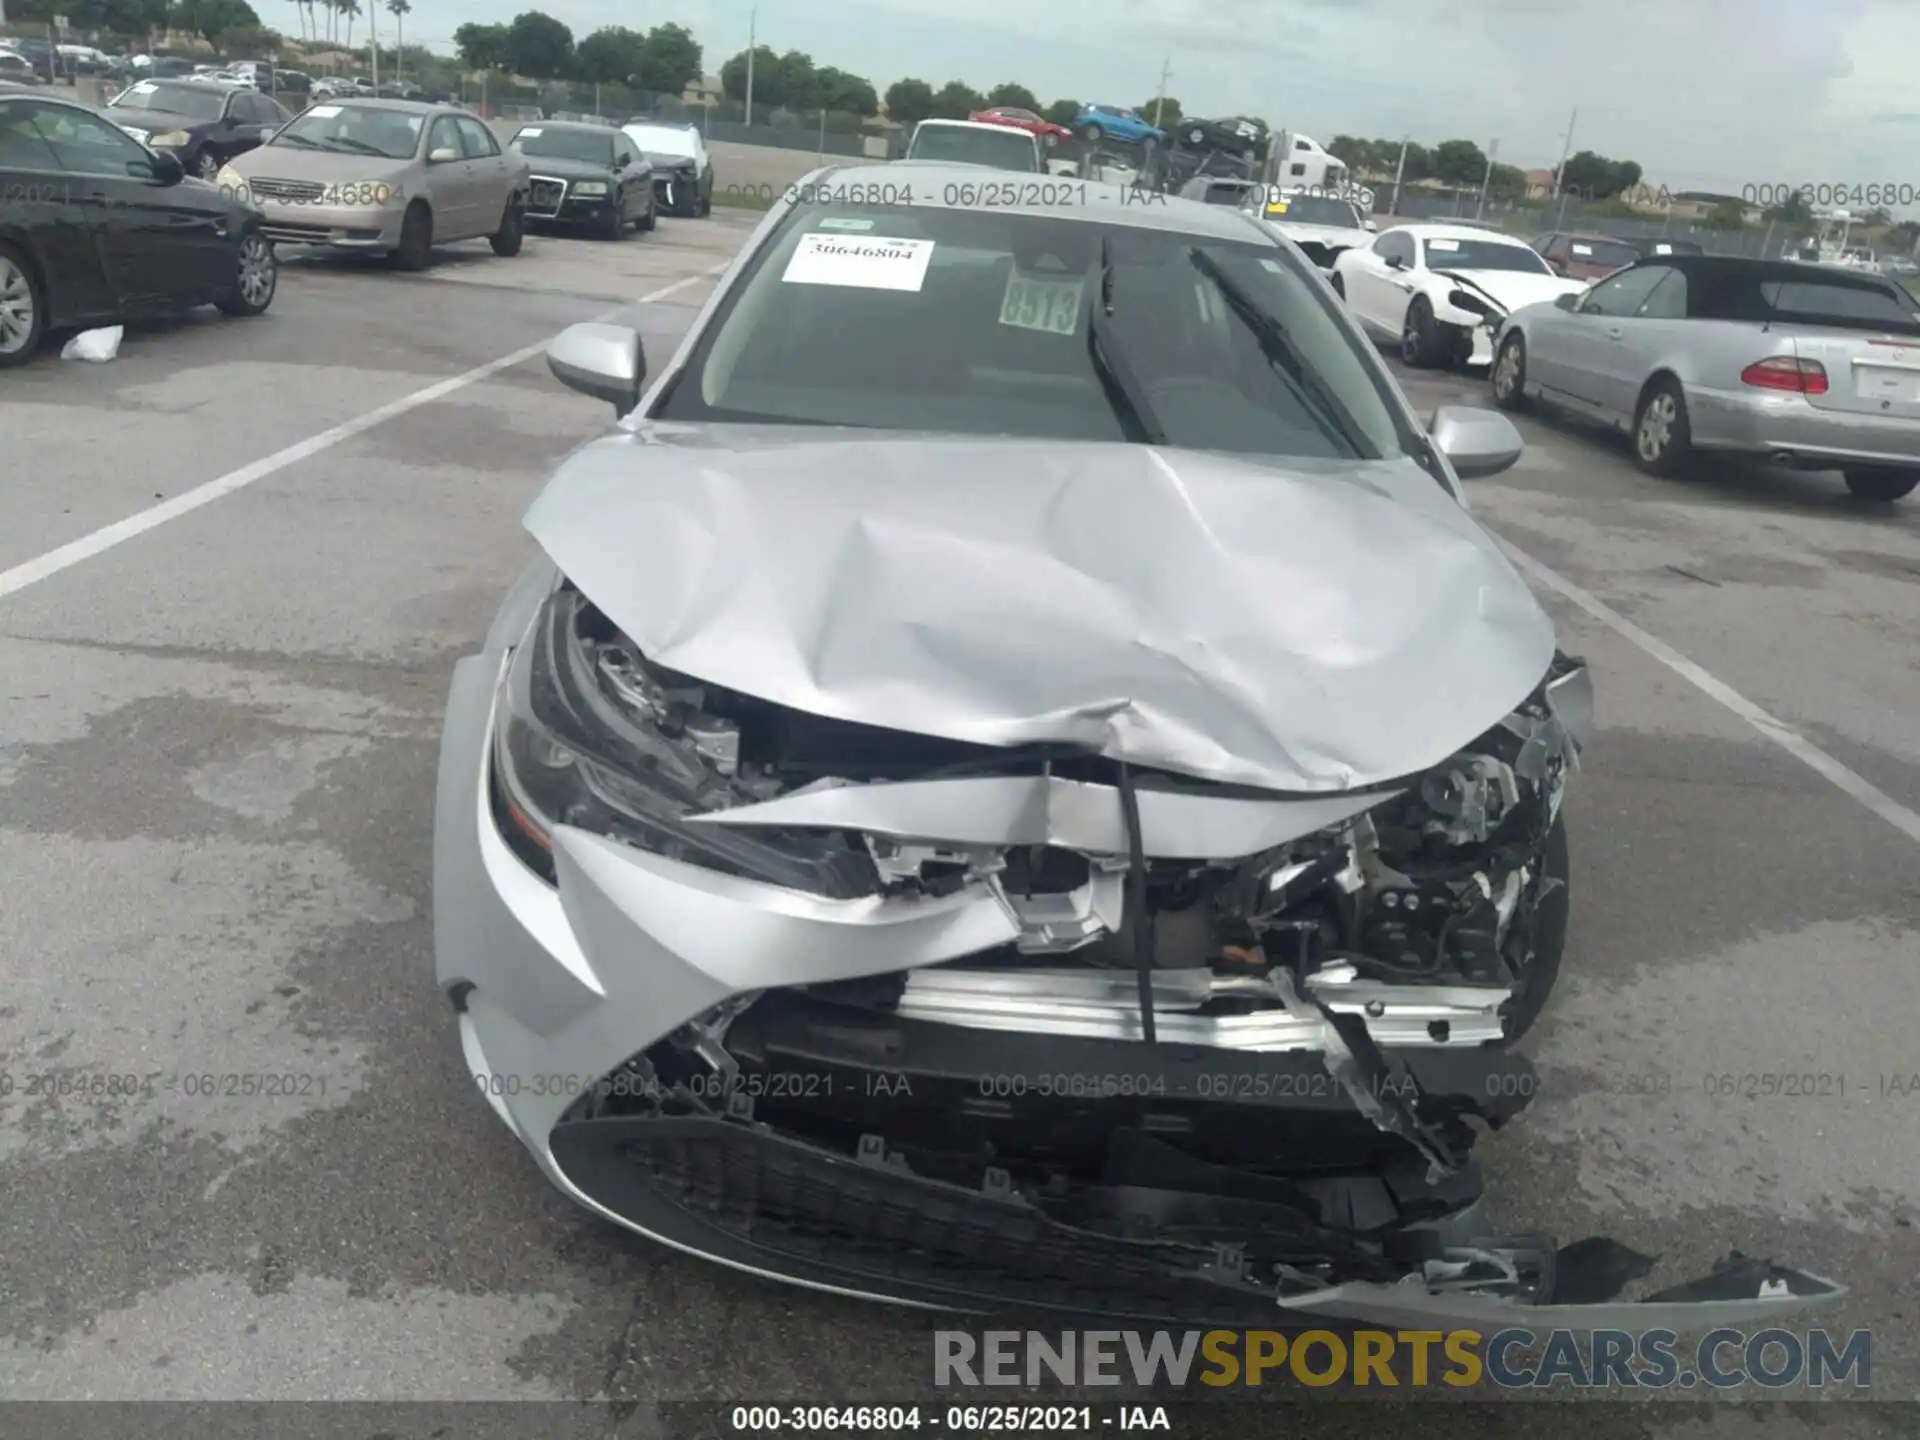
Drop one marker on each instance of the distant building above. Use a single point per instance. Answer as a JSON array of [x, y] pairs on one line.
[[706, 90]]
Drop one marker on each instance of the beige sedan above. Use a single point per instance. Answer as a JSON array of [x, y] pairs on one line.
[[395, 177]]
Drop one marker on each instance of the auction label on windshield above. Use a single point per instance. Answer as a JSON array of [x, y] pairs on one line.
[[876, 262], [1035, 302]]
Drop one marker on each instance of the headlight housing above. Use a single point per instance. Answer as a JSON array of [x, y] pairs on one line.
[[590, 188], [171, 140], [587, 733]]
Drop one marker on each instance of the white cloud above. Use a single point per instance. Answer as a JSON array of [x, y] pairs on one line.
[[1705, 94]]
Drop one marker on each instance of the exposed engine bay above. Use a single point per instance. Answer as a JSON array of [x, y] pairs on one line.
[[1437, 887]]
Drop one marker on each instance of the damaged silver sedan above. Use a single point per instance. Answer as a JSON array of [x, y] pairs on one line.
[[1017, 781]]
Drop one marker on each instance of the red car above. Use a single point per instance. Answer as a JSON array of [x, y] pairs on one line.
[[1018, 119]]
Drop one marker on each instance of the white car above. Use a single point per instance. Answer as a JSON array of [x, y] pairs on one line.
[[972, 142], [1324, 227], [1442, 290]]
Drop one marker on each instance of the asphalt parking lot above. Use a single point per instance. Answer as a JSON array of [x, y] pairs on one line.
[[217, 753]]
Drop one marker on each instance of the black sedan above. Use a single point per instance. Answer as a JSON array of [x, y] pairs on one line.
[[98, 229], [202, 124], [587, 175]]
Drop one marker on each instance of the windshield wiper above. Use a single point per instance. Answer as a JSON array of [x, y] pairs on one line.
[[355, 147], [1312, 393], [1129, 404], [288, 137]]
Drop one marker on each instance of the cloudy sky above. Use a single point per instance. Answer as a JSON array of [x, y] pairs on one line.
[[1705, 94]]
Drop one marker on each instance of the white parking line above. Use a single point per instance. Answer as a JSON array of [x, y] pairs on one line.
[[1906, 821], [32, 572]]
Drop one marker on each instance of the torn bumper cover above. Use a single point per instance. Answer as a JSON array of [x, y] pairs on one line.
[[903, 1014]]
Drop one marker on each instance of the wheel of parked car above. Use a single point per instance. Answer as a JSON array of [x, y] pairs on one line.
[[706, 205], [1510, 374], [1091, 134], [416, 238], [1534, 984], [652, 217], [23, 314], [513, 229], [614, 227], [1662, 436], [1420, 336], [1882, 485], [256, 277]]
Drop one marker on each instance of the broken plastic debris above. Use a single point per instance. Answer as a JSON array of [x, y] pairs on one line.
[[95, 346]]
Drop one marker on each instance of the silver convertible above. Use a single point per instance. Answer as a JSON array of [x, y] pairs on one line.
[[1796, 364], [1017, 780]]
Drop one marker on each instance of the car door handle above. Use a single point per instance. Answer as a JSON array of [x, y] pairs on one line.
[[1614, 332]]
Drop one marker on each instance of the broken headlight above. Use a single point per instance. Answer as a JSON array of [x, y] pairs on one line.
[[587, 734]]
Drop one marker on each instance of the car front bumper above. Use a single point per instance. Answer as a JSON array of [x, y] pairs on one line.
[[340, 227], [678, 193], [827, 1157], [1791, 430]]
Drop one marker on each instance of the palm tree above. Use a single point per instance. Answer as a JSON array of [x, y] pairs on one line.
[[399, 9], [350, 9], [300, 16]]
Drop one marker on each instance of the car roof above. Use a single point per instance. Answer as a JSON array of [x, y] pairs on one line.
[[1719, 266], [1426, 230], [963, 125], [405, 107], [1093, 200], [607, 130]]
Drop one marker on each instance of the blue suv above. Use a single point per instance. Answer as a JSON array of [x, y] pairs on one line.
[[1112, 122]]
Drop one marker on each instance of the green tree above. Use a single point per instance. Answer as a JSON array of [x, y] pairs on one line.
[[798, 83], [1595, 177], [539, 46], [482, 47], [909, 101], [956, 100], [1791, 211], [766, 67], [399, 9], [1169, 111], [852, 94], [255, 42], [1062, 112], [1508, 183], [1356, 154], [612, 55], [1459, 162], [1727, 215], [1015, 95], [349, 11], [211, 19], [671, 59]]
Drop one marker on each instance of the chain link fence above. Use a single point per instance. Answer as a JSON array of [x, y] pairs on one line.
[[1762, 241]]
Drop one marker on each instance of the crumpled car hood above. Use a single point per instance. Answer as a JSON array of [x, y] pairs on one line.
[[1514, 288], [1314, 628]]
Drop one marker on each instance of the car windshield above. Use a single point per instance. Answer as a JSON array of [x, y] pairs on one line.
[[1002, 149], [593, 146], [662, 140], [1226, 192], [1465, 254], [195, 102], [354, 130], [1311, 210], [1050, 327], [1614, 254]]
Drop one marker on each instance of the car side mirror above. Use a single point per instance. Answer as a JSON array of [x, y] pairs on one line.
[[165, 168], [443, 155], [1477, 443], [604, 361], [1394, 262], [1566, 302]]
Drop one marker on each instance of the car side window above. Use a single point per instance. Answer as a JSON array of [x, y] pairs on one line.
[[1669, 298], [479, 140], [1541, 242], [21, 147], [1623, 294], [85, 144], [1395, 247], [445, 135]]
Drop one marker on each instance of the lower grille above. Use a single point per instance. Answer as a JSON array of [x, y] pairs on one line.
[[315, 234], [798, 1211], [304, 191]]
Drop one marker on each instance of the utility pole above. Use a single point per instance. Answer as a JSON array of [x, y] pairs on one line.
[[753, 17], [1486, 180], [1160, 100], [1398, 171], [1560, 170], [373, 37]]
